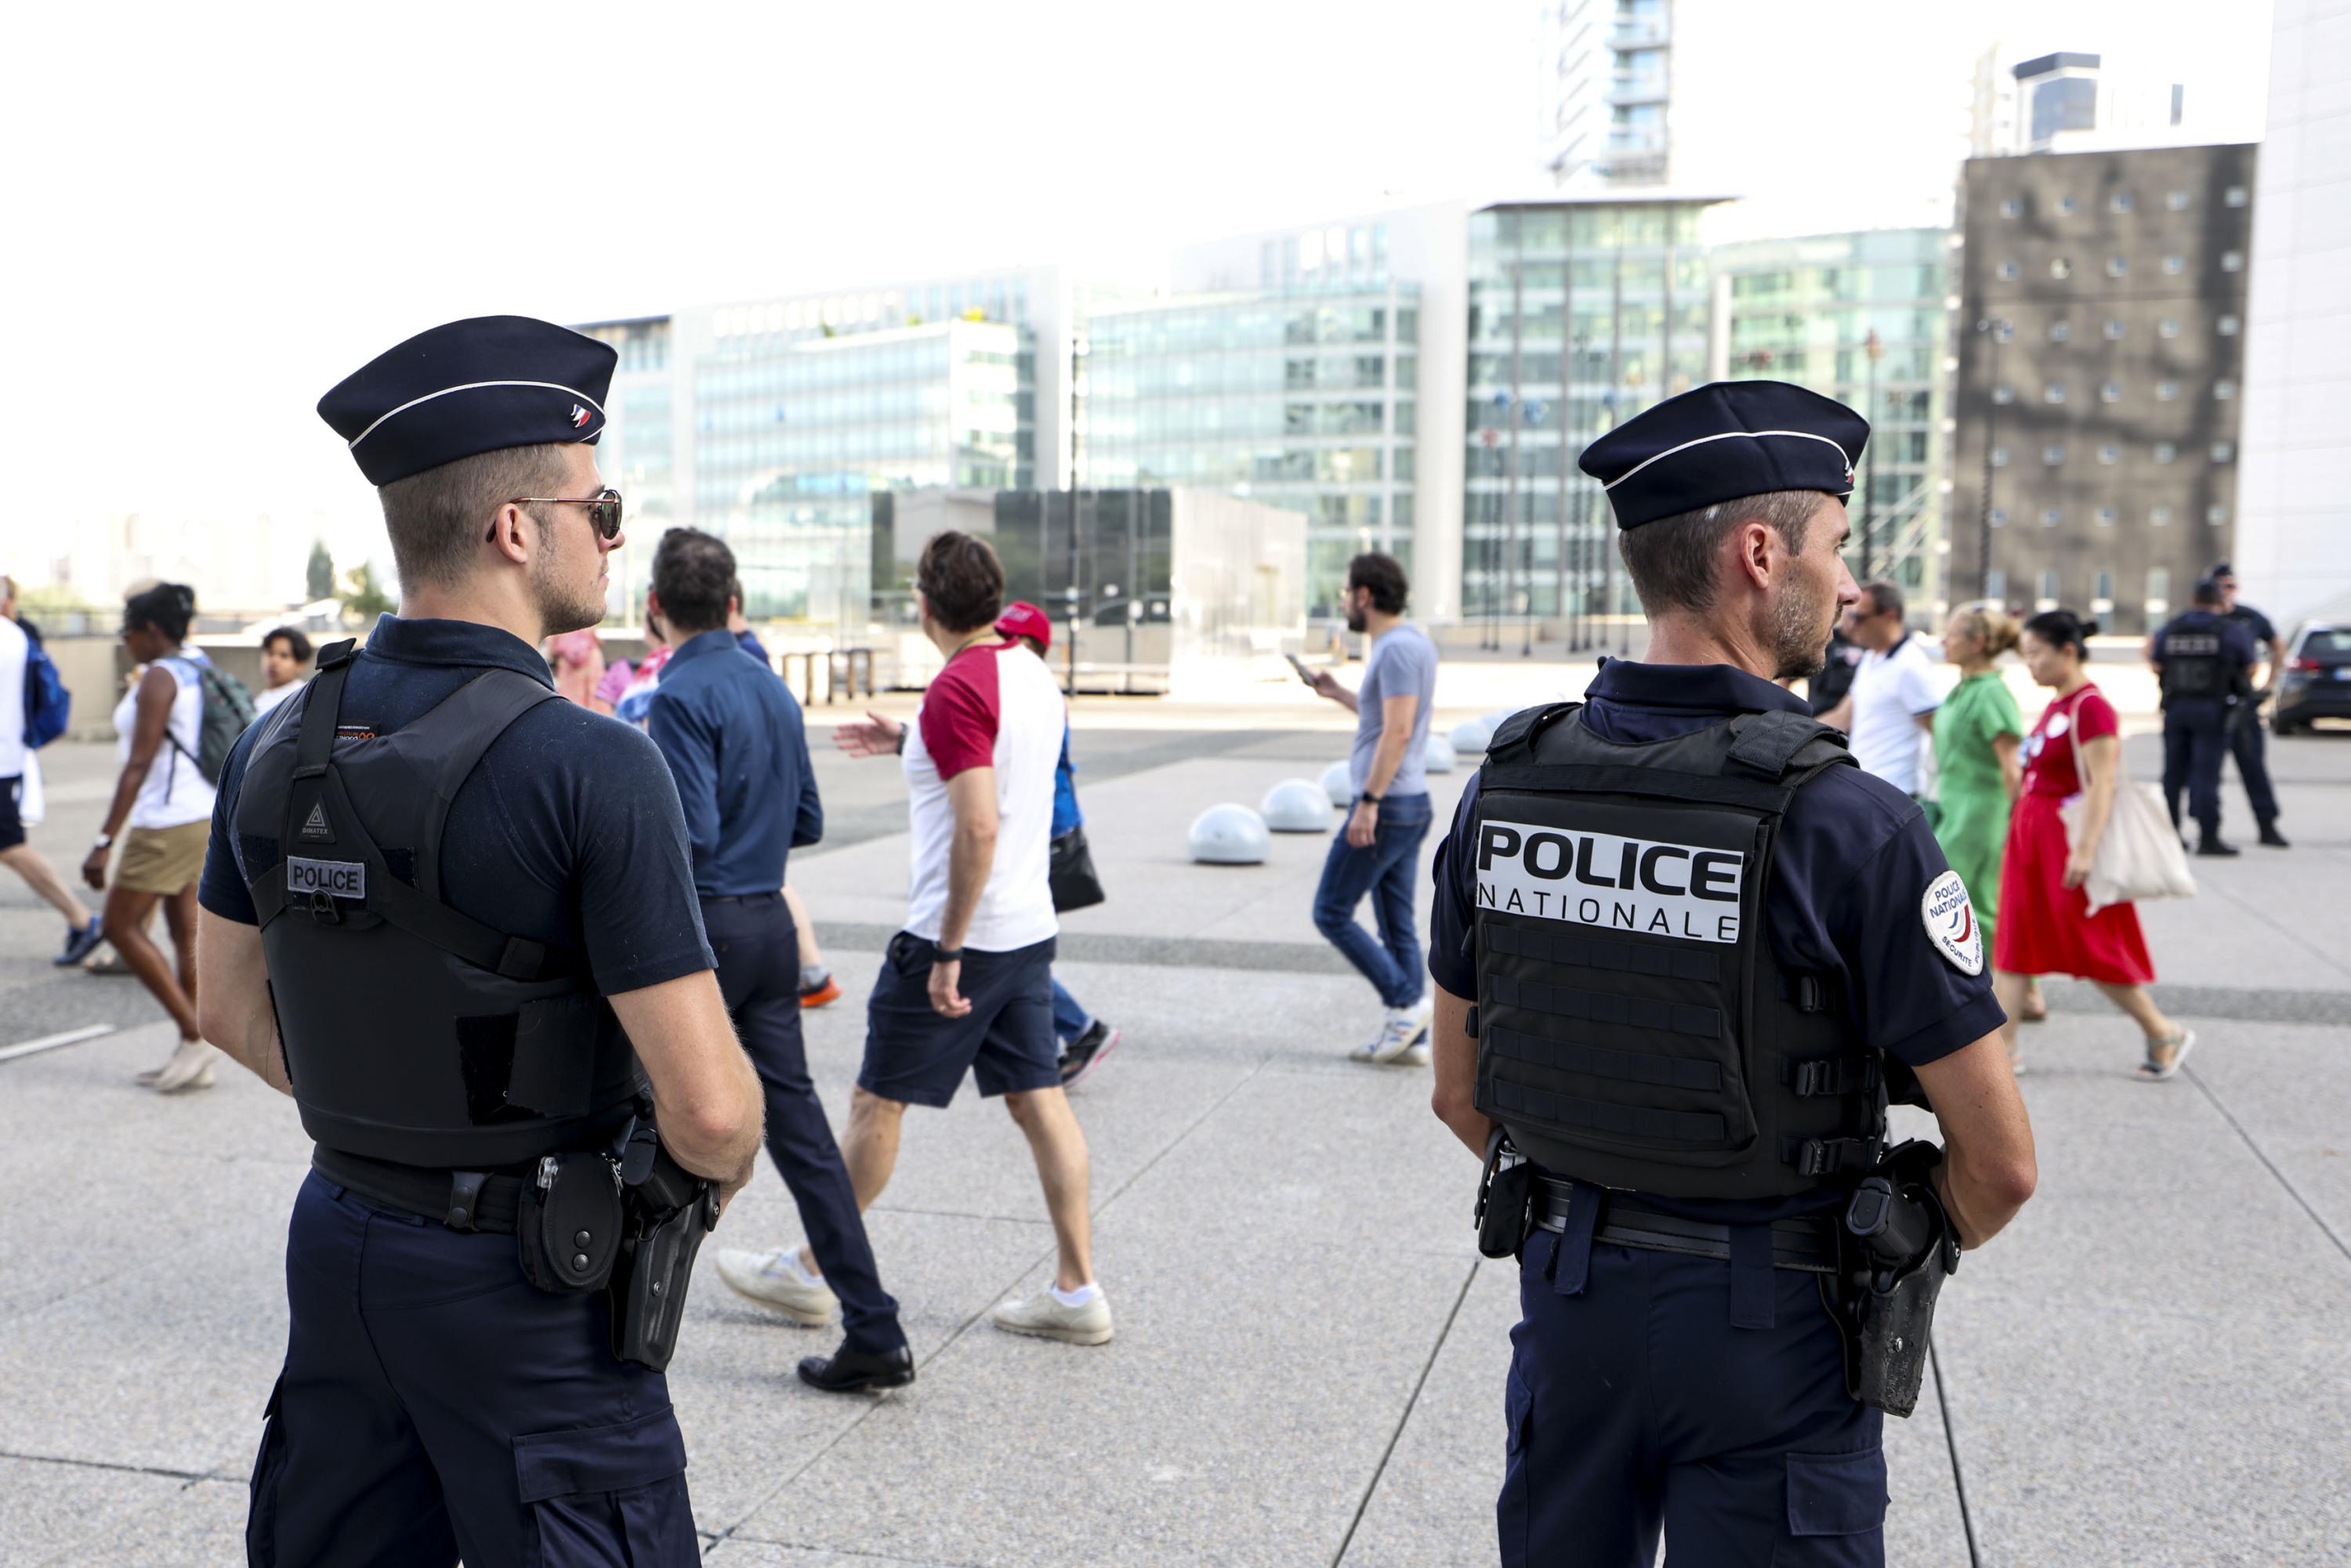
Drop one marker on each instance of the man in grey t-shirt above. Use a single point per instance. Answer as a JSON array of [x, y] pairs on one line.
[[1379, 853]]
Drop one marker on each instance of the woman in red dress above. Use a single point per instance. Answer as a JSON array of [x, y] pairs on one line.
[[2046, 925]]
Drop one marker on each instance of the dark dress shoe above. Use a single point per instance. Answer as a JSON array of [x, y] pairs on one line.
[[848, 1371], [2273, 837], [2215, 847]]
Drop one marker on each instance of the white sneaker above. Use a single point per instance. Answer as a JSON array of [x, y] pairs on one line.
[[191, 1067], [1414, 1055], [1406, 1028], [773, 1279], [1045, 1317]]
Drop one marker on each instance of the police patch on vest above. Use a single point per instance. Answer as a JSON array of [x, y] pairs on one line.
[[1618, 883], [1950, 921], [336, 879]]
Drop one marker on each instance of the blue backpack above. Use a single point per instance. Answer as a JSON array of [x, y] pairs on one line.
[[48, 706]]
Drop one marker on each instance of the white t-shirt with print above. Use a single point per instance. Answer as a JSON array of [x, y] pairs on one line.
[[994, 706]]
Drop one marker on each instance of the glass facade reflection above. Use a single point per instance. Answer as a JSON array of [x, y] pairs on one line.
[[1304, 399], [1581, 314]]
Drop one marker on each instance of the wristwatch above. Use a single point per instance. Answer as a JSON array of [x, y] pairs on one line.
[[1367, 798], [946, 954], [901, 747], [103, 842]]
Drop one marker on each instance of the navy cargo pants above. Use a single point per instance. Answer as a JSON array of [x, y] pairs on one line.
[[2195, 739], [434, 1403], [1657, 1390]]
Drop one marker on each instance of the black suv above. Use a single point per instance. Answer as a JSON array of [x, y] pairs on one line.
[[2314, 681]]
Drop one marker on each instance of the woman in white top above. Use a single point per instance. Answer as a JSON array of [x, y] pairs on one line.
[[166, 803], [285, 665]]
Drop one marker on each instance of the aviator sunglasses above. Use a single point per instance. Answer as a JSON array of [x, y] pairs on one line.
[[603, 508]]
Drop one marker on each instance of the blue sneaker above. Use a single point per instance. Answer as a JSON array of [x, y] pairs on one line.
[[81, 943]]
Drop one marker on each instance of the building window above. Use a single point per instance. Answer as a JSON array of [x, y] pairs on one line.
[[2173, 265], [2166, 391], [2105, 517], [2177, 201], [2159, 518], [2049, 584], [2000, 456], [2104, 588], [2052, 516], [2114, 330], [2053, 392], [2216, 514], [2066, 204], [2000, 516], [2110, 453], [2003, 394], [2227, 326], [2167, 328], [2224, 388], [2111, 393], [2012, 207], [2116, 265], [2061, 332], [2165, 452], [2233, 196], [2053, 453], [2061, 268], [2223, 451], [2232, 261], [2159, 585], [1995, 584], [2007, 270], [2120, 202]]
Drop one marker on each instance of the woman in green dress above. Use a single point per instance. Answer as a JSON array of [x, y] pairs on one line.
[[1978, 736]]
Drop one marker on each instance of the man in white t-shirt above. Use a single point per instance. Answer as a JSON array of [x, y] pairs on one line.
[[1890, 710], [967, 985], [83, 929]]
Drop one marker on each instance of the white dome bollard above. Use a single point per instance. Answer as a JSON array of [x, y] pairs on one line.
[[1339, 783], [1297, 806], [1438, 758], [1229, 835], [1472, 736]]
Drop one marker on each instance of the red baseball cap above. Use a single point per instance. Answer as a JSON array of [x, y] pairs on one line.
[[1022, 619]]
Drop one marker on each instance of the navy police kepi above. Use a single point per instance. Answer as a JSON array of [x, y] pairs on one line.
[[1722, 441], [469, 387]]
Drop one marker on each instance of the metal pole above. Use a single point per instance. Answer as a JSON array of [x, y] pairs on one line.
[[1874, 351], [1518, 417], [1992, 328]]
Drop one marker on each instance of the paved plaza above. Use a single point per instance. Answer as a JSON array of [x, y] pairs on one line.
[[2148, 1368]]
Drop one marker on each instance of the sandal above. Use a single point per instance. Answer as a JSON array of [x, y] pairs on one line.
[[2154, 1071]]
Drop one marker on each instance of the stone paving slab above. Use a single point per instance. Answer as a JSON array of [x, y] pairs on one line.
[[203, 1523], [43, 1506]]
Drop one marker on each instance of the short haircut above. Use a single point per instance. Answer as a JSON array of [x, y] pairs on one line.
[[961, 579], [1673, 561], [168, 607], [2062, 627], [2205, 592], [1885, 597], [296, 643], [437, 518], [693, 575], [2220, 569], [1384, 575]]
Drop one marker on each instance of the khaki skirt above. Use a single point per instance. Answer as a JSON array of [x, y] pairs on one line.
[[162, 860]]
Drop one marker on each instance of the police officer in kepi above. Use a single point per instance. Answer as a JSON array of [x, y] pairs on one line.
[[2205, 663], [1685, 953], [454, 918], [2246, 742]]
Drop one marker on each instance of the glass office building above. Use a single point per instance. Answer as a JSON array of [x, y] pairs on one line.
[[1582, 314], [1304, 398], [1865, 319]]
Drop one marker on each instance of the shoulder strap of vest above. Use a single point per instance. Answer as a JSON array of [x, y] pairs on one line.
[[1514, 737], [473, 715]]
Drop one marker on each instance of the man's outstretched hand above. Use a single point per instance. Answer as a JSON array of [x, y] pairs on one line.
[[873, 736]]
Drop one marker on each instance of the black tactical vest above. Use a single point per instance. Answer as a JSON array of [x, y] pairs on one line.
[[413, 1033], [2190, 658], [1635, 1029]]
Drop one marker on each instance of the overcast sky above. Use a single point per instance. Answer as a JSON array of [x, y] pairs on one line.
[[217, 211]]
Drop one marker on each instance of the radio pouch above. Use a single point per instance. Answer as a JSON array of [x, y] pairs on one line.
[[568, 1223]]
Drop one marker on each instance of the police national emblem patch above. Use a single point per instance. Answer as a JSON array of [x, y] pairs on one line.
[[1950, 921]]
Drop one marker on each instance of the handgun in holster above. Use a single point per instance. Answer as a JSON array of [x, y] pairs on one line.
[[666, 1211], [1901, 1246], [1505, 1197]]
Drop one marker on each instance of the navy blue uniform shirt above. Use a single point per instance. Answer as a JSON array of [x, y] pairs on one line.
[[568, 832], [733, 737], [2254, 624], [1848, 877], [2237, 650]]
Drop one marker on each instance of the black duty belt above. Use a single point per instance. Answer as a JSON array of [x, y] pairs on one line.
[[461, 1200], [1805, 1242]]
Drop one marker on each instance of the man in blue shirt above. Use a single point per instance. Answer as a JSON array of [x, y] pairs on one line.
[[733, 737], [1675, 1368], [2204, 661]]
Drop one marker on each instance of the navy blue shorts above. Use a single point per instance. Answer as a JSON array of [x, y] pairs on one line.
[[916, 1057], [12, 826]]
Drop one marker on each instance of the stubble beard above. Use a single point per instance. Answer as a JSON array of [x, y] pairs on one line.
[[564, 605], [1800, 633]]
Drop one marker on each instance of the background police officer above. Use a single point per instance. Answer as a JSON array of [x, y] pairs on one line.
[[2205, 664], [2247, 742], [1678, 1366], [445, 1009]]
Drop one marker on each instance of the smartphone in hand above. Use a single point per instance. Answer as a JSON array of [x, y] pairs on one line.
[[1300, 665]]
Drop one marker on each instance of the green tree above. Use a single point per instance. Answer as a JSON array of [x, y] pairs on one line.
[[321, 578], [363, 598]]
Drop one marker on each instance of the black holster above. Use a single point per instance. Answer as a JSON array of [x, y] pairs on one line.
[[1901, 1246], [666, 1210], [1506, 1194], [568, 1223]]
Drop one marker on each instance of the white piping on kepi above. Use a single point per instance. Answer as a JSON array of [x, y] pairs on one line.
[[474, 386], [1725, 435]]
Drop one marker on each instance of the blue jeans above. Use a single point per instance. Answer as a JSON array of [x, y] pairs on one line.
[[1070, 1020], [1385, 870]]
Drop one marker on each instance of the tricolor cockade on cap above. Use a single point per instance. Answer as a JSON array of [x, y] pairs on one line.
[[472, 386], [1722, 441]]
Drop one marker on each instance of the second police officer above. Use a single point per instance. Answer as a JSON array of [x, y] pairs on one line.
[[455, 918], [2205, 662], [1682, 947]]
